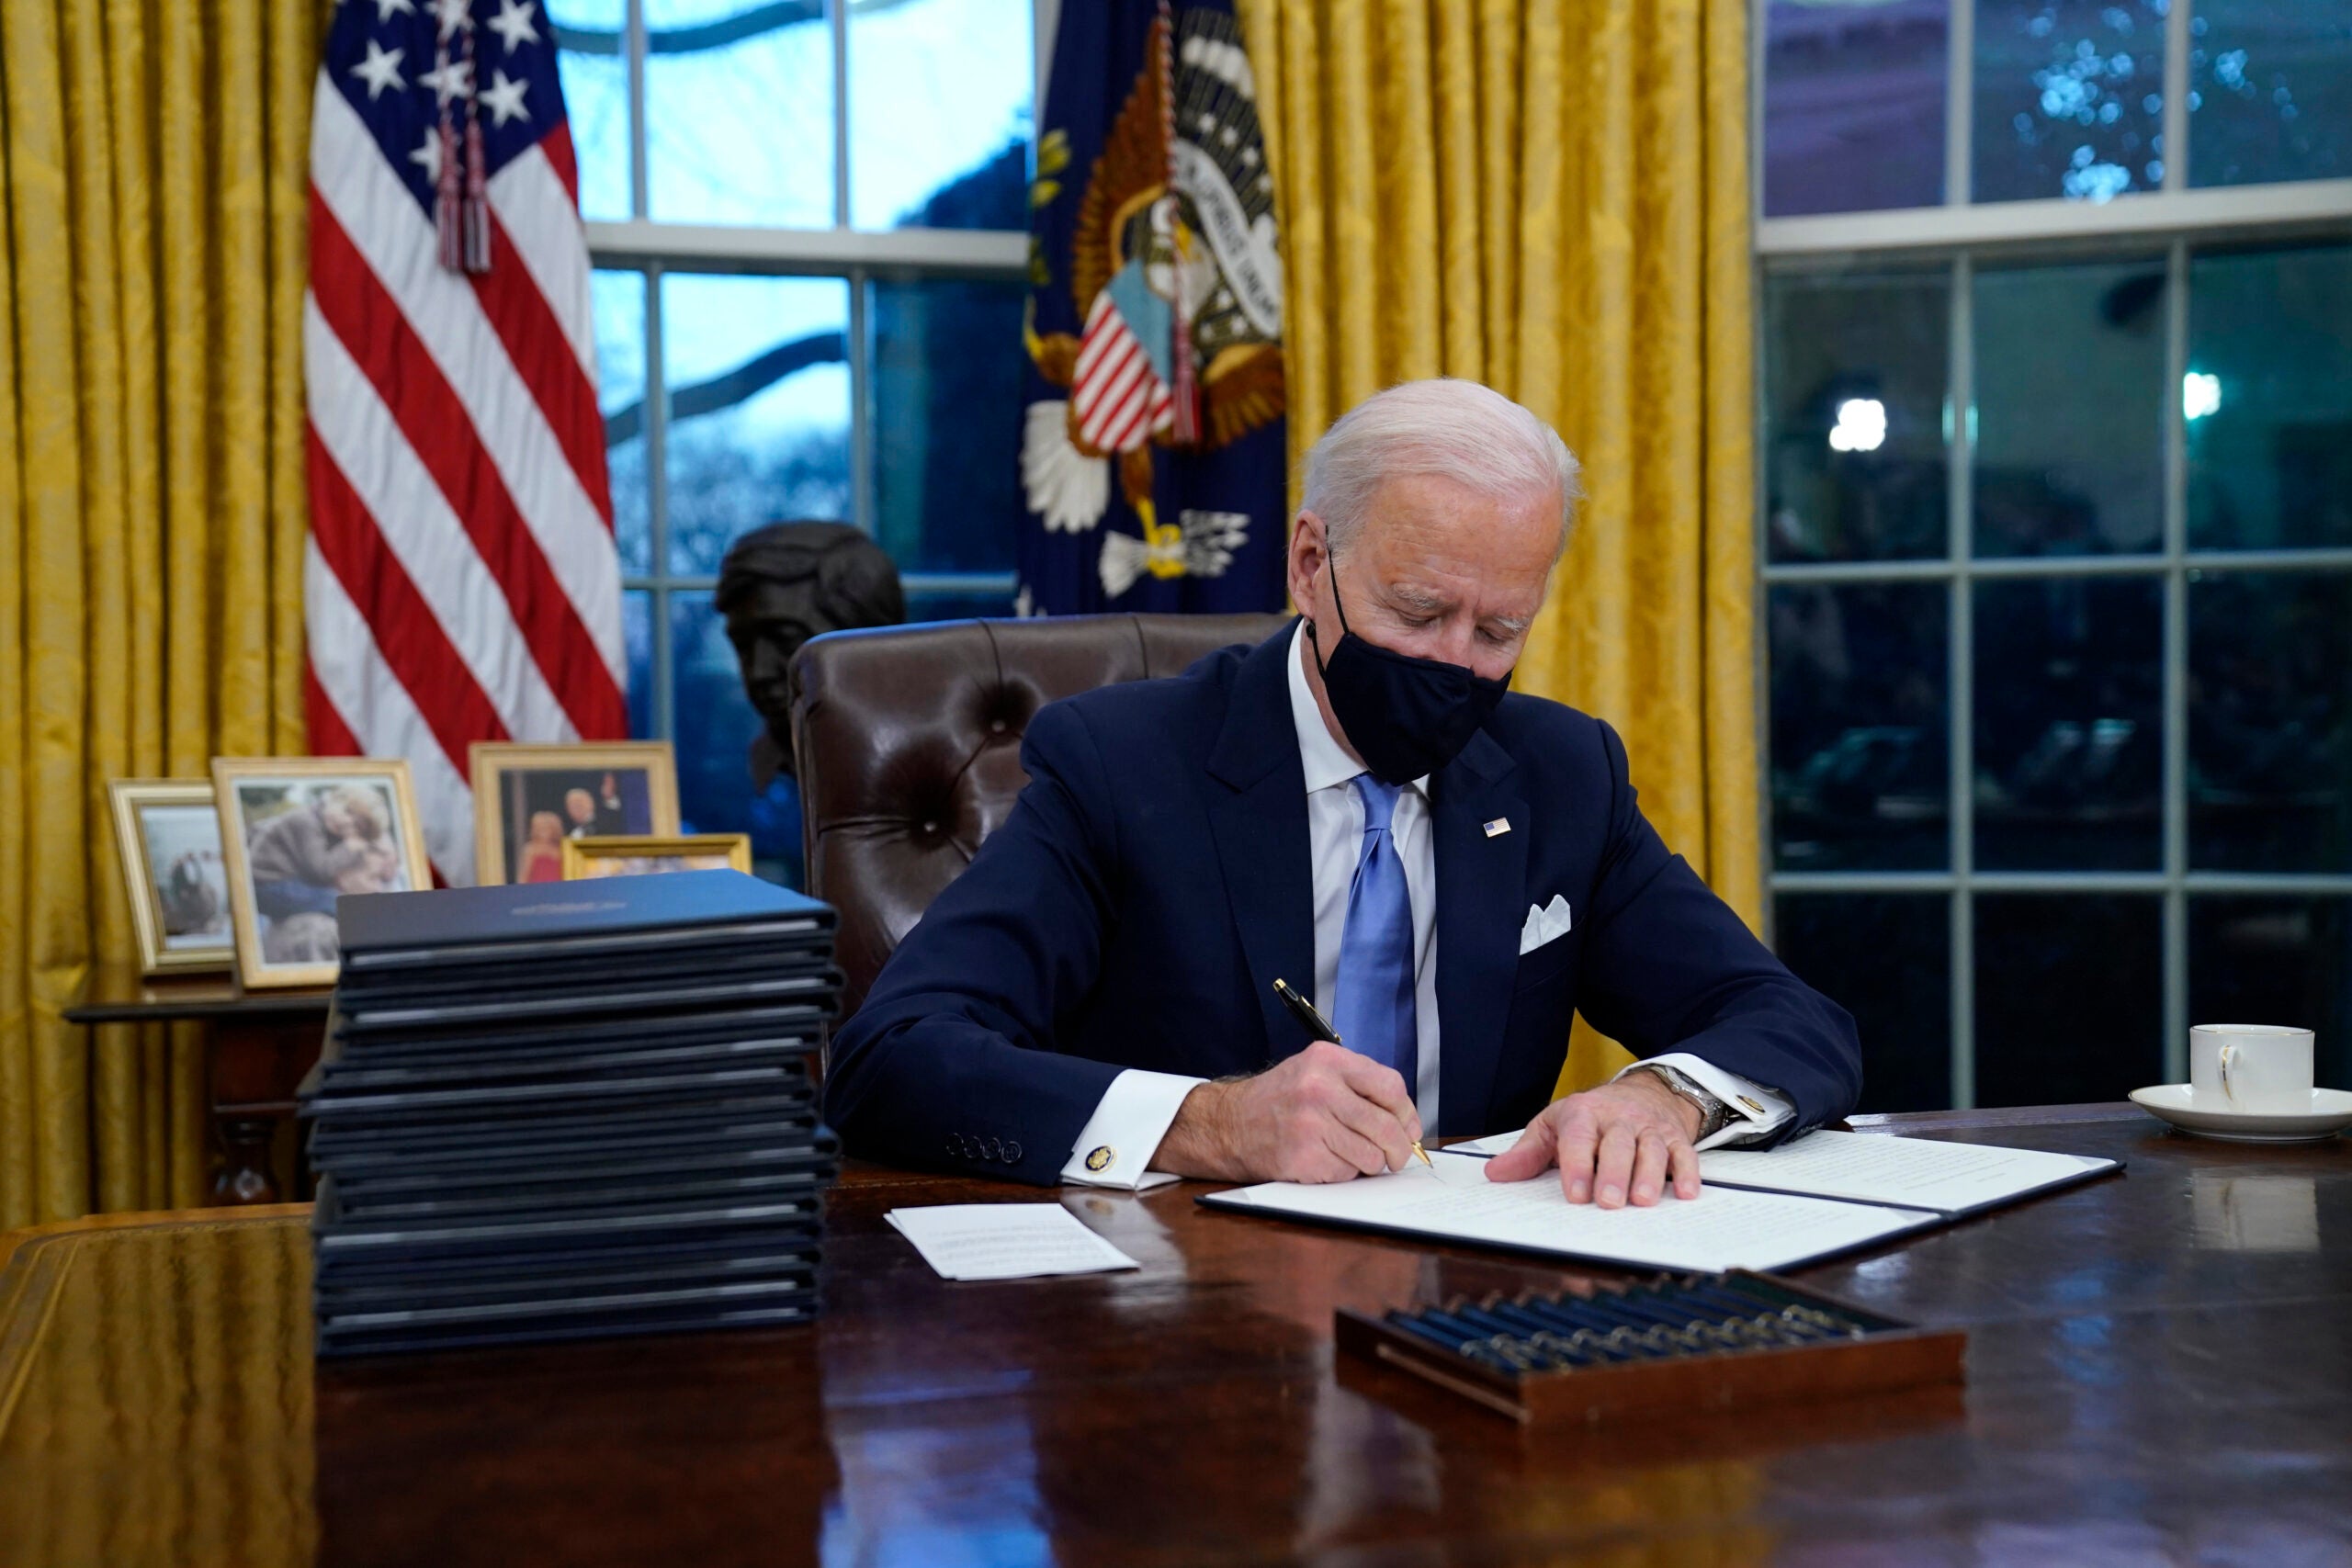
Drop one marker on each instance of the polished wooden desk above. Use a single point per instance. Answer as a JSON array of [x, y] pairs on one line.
[[257, 1046], [2160, 1370]]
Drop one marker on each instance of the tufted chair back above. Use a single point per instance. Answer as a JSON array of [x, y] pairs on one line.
[[908, 740]]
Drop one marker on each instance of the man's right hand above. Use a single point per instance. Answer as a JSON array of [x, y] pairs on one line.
[[1327, 1114]]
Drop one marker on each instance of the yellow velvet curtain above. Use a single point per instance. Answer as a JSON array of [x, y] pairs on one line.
[[1552, 196], [153, 160]]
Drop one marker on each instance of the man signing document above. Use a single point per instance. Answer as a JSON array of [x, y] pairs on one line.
[[1358, 805]]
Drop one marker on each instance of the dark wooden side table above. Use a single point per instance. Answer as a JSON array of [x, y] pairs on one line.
[[257, 1046]]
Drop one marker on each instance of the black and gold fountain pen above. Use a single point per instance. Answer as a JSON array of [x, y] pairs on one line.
[[1317, 1025]]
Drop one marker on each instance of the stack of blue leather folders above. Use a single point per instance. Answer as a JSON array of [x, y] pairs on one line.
[[571, 1111]]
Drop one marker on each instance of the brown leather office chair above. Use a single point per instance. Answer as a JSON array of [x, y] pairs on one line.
[[909, 745]]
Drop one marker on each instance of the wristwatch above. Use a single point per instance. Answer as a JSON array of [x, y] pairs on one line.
[[1713, 1114]]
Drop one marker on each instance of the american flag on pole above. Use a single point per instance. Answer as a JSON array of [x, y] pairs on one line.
[[461, 583]]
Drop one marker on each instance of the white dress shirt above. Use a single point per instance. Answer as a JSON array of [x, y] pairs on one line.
[[1134, 1114]]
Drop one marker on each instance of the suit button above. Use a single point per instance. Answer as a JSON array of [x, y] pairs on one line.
[[992, 1148], [1012, 1153]]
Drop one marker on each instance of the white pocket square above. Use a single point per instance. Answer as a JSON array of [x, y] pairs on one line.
[[1545, 922]]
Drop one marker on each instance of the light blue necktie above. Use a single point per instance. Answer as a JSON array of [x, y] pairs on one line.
[[1375, 1014]]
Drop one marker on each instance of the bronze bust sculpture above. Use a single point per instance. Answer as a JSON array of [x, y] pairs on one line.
[[783, 583]]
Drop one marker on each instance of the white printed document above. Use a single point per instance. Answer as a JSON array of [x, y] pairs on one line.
[[1005, 1241], [1947, 1178], [1914, 1173], [1724, 1227]]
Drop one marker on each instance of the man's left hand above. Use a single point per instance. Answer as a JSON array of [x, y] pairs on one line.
[[1625, 1140]]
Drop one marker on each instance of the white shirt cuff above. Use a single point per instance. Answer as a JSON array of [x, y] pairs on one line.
[[1116, 1147], [1756, 1111]]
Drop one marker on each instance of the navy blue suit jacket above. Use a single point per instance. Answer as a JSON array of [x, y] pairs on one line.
[[1152, 881]]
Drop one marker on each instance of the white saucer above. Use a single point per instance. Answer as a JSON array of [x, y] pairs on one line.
[[2331, 1112]]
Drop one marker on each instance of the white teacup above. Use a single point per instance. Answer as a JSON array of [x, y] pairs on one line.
[[2263, 1069]]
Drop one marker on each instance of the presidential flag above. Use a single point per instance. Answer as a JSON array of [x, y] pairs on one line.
[[1152, 443], [461, 583]]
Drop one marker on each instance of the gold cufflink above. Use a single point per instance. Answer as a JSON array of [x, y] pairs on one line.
[[1099, 1159], [1751, 1105]]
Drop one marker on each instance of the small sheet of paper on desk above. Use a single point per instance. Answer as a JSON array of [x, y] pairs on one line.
[[1005, 1241]]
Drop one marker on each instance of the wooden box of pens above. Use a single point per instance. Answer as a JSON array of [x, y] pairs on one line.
[[1676, 1344]]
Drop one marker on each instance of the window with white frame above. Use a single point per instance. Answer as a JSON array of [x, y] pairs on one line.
[[810, 227], [2055, 501]]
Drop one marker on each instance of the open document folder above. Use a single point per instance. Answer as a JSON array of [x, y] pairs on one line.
[[1827, 1193]]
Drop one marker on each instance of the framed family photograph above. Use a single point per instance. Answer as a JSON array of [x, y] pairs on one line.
[[585, 859], [297, 834], [530, 800], [177, 884]]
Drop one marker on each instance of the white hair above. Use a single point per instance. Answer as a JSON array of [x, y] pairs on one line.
[[1451, 429]]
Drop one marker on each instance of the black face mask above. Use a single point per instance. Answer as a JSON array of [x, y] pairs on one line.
[[1406, 716]]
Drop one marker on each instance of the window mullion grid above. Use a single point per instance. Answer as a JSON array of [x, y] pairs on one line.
[[2195, 563], [1960, 448], [633, 62], [660, 583], [861, 412], [2321, 559], [861, 446], [2176, 648], [1759, 32], [2209, 883], [1959, 108], [837, 18], [656, 465], [2178, 43], [1936, 568], [2175, 564]]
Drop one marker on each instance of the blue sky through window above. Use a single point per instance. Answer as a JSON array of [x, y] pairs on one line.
[[739, 111]]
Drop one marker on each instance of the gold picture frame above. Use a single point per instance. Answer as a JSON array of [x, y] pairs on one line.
[[180, 809], [508, 798], [365, 837], [625, 854]]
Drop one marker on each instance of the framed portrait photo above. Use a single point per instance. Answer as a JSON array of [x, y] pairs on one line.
[[299, 832], [585, 859], [173, 875], [530, 800]]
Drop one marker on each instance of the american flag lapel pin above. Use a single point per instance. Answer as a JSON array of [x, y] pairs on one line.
[[1497, 827]]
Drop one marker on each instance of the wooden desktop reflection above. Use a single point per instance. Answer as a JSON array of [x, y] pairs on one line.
[[158, 1402], [156, 1390]]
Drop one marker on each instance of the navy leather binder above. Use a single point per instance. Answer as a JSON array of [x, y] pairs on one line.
[[384, 932]]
